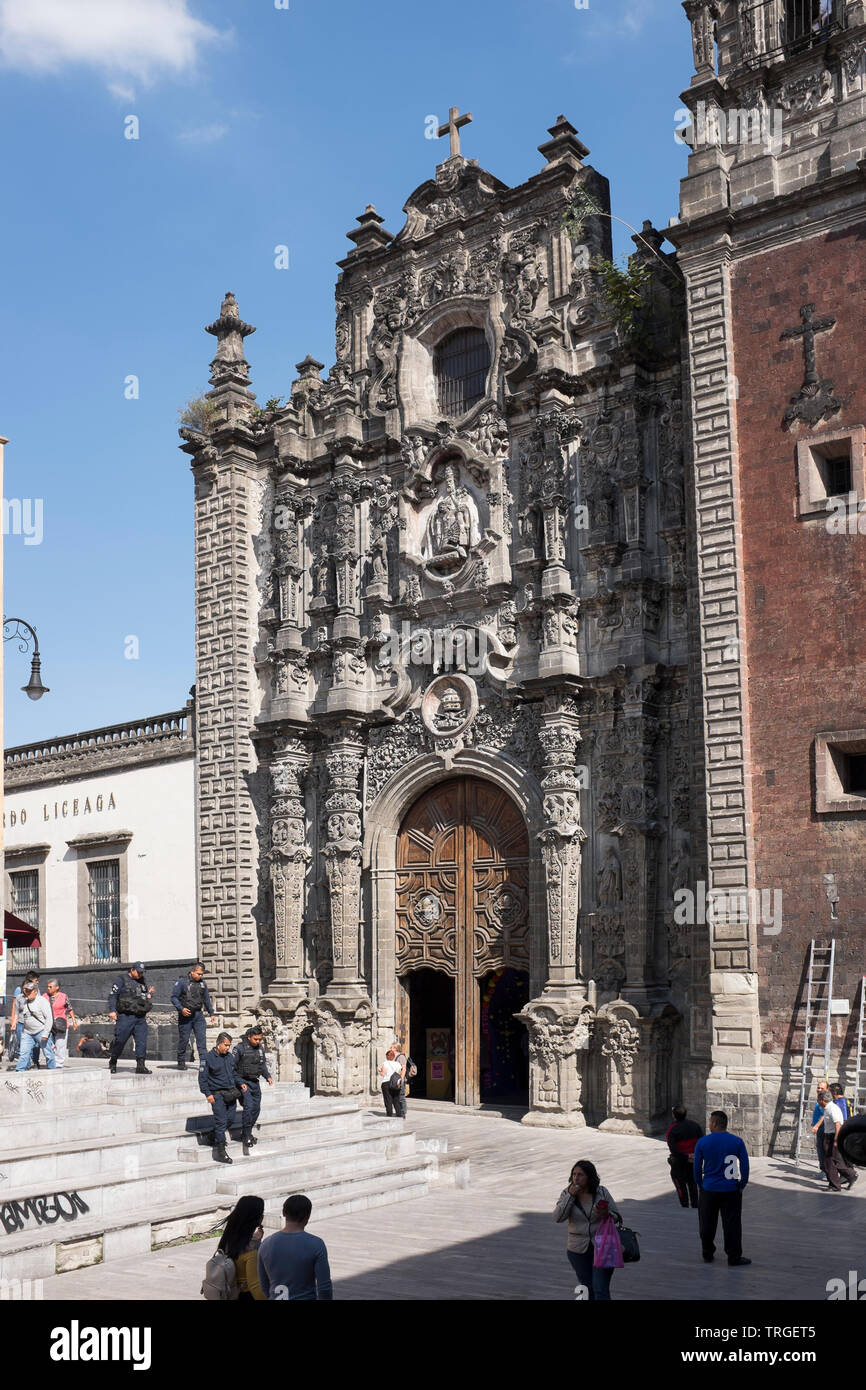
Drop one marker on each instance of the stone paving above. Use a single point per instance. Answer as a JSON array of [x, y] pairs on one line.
[[497, 1239]]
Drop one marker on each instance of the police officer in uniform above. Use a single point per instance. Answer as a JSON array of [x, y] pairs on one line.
[[251, 1065], [221, 1086], [191, 998], [128, 1005]]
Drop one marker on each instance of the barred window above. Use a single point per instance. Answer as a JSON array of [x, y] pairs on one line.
[[24, 903], [104, 910], [461, 363]]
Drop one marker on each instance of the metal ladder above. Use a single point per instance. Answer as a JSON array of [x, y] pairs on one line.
[[858, 1099], [822, 959]]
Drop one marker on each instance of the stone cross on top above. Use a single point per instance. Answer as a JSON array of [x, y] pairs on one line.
[[452, 128]]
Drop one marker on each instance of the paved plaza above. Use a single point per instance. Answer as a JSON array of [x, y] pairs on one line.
[[497, 1238]]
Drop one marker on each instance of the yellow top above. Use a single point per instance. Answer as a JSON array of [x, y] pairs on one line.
[[247, 1266]]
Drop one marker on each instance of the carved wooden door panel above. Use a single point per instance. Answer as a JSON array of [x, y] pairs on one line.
[[462, 901]]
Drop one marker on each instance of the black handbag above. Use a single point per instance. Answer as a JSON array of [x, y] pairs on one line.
[[628, 1241], [60, 1026], [229, 1096]]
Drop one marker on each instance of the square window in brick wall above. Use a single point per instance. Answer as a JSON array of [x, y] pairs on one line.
[[831, 475], [840, 772]]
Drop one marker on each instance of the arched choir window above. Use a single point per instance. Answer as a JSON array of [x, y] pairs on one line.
[[461, 363]]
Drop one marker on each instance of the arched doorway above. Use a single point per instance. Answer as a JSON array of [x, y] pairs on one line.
[[462, 899]]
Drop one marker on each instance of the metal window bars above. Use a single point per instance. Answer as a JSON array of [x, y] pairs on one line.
[[774, 28], [104, 910], [461, 363]]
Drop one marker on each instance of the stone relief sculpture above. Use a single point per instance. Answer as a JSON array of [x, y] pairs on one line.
[[452, 527]]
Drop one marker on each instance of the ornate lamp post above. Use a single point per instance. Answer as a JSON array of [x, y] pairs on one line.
[[22, 632]]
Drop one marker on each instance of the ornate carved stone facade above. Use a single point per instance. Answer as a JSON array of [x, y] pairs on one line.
[[401, 589]]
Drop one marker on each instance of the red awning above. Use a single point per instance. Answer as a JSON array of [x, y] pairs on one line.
[[19, 933]]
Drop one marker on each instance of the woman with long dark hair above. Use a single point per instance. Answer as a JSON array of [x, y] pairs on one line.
[[240, 1240], [584, 1204]]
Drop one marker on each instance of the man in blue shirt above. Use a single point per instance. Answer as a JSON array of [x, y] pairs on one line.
[[721, 1174], [292, 1264]]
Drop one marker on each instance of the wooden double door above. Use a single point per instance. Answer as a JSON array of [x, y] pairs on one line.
[[463, 911]]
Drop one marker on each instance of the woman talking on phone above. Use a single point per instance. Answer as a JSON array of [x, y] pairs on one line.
[[585, 1204]]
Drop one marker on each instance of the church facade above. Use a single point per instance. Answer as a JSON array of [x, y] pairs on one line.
[[467, 757]]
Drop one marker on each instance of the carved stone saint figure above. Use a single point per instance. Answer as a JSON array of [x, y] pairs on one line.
[[610, 880], [452, 528], [322, 572]]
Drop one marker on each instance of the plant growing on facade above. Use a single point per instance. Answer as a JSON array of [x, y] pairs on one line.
[[198, 414]]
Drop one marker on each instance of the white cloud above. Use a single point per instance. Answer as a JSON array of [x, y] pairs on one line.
[[122, 93], [138, 37], [204, 134]]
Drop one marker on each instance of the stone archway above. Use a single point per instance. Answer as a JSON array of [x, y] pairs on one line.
[[384, 818], [462, 910]]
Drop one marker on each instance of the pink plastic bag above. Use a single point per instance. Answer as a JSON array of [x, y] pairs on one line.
[[608, 1247]]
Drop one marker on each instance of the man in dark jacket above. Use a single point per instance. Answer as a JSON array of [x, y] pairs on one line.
[[217, 1080], [128, 1005], [251, 1065], [682, 1136], [191, 998]]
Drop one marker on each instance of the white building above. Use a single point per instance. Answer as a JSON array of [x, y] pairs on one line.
[[99, 844]]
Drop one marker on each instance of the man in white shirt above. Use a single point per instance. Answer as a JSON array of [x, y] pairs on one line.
[[37, 1019], [834, 1165]]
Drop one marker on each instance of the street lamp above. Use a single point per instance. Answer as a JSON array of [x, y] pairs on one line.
[[22, 632]]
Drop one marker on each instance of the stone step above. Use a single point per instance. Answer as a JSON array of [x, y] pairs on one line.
[[275, 1135], [92, 1239], [57, 1131], [134, 1153], [144, 1095], [329, 1160], [134, 1184]]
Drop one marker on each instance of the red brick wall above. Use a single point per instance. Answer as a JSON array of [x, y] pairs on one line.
[[805, 597]]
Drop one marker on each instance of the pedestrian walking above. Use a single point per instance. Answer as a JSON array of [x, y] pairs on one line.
[[585, 1204], [129, 1003], [221, 1086], [251, 1066], [409, 1072], [818, 1131], [16, 1025], [293, 1265], [392, 1080], [64, 1019], [835, 1167], [681, 1137], [241, 1240], [192, 1000], [37, 1020], [721, 1174]]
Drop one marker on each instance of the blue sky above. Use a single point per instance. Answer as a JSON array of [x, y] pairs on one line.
[[258, 127]]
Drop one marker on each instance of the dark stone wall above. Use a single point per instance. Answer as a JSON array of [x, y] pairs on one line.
[[88, 986]]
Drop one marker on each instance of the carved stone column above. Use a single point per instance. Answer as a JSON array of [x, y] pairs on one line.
[[561, 840], [558, 1043], [342, 856], [289, 857], [620, 1033], [702, 15]]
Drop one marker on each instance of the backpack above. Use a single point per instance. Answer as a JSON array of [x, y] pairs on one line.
[[220, 1279]]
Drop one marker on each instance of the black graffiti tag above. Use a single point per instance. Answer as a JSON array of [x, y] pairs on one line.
[[44, 1210]]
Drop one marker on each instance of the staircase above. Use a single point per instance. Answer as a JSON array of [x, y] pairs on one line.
[[96, 1168]]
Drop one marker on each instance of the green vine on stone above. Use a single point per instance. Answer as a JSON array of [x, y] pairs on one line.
[[624, 287], [198, 414]]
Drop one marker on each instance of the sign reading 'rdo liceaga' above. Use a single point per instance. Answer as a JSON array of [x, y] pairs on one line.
[[61, 810]]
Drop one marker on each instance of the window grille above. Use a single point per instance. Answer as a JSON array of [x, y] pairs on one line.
[[25, 904], [461, 363], [105, 910]]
